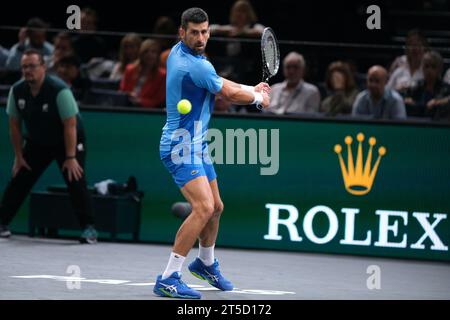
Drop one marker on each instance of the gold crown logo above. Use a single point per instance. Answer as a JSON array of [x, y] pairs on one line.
[[358, 180]]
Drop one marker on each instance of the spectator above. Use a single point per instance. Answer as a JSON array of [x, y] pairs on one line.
[[3, 56], [407, 69], [87, 44], [377, 101], [294, 95], [341, 84], [144, 80], [165, 26], [447, 76], [240, 64], [33, 36], [63, 47], [128, 53], [242, 22], [431, 96], [68, 69]]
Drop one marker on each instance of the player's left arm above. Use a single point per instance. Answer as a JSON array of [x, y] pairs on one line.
[[204, 76], [262, 86], [243, 94]]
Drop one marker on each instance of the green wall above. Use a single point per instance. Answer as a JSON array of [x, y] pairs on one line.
[[414, 176]]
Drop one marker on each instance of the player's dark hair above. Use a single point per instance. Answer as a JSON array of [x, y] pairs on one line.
[[194, 15], [31, 51]]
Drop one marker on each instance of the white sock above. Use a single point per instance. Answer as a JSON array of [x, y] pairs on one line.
[[175, 263], [206, 254]]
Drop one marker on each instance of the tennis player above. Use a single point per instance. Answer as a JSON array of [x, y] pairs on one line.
[[191, 76]]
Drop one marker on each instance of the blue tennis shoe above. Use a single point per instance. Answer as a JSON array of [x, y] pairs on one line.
[[174, 287], [211, 274]]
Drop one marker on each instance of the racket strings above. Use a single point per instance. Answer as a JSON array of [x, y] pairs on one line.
[[271, 55]]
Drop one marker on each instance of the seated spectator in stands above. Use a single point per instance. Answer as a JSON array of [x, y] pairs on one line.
[[62, 43], [407, 69], [128, 53], [33, 36], [3, 56], [431, 96], [165, 26], [243, 24], [447, 76], [294, 95], [68, 69], [377, 101], [341, 84], [145, 80], [87, 44]]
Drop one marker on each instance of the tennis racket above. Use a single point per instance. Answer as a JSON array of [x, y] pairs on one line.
[[270, 55]]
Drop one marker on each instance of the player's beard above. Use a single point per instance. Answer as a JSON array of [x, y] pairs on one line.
[[194, 45], [200, 51]]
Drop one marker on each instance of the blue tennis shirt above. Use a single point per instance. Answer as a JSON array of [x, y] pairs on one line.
[[189, 76]]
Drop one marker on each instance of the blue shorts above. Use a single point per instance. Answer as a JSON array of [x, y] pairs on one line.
[[183, 173]]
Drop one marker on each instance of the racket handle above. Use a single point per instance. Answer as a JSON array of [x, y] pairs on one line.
[[266, 80]]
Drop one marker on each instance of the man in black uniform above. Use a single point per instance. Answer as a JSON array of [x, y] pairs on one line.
[[54, 131]]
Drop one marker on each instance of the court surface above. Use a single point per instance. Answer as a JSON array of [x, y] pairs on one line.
[[41, 268]]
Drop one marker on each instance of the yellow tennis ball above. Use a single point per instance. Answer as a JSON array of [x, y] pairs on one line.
[[184, 106]]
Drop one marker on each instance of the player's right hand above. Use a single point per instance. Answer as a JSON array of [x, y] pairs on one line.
[[262, 86], [18, 164]]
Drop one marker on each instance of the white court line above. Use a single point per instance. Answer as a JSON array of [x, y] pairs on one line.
[[128, 283]]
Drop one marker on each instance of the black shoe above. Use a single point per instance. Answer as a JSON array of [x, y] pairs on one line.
[[89, 235], [4, 231]]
